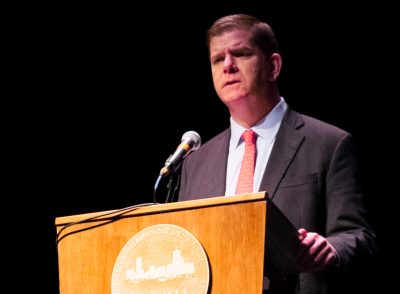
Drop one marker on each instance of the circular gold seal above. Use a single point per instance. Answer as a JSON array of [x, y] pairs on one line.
[[161, 259]]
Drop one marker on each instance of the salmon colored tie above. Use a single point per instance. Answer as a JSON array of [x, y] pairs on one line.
[[246, 176]]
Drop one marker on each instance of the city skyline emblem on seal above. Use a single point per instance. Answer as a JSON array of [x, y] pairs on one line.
[[159, 259]]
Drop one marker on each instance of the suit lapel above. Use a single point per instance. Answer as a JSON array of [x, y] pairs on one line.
[[218, 165], [287, 142]]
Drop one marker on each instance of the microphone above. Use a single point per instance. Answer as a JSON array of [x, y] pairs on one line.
[[190, 141]]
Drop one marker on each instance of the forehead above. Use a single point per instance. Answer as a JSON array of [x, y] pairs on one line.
[[230, 40]]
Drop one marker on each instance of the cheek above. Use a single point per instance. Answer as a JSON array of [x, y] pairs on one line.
[[252, 76], [216, 77], [216, 87], [259, 75]]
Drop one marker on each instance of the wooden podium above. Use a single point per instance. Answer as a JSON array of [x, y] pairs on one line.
[[231, 230]]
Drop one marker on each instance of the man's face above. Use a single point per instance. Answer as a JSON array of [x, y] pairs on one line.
[[239, 69]]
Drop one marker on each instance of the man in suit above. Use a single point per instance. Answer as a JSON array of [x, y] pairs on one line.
[[307, 167]]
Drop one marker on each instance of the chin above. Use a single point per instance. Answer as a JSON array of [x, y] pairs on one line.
[[234, 99]]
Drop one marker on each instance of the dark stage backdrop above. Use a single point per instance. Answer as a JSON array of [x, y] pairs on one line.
[[122, 84]]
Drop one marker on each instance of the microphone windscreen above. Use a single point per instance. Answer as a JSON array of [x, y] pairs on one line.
[[193, 136]]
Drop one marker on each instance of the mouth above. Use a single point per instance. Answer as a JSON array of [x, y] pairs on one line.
[[228, 83]]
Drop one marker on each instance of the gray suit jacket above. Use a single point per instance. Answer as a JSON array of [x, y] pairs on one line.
[[312, 177]]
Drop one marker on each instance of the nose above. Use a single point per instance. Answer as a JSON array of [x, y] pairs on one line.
[[229, 64]]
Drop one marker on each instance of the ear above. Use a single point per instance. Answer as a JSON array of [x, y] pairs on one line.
[[275, 63]]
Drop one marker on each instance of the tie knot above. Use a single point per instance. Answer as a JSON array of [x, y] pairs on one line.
[[249, 136]]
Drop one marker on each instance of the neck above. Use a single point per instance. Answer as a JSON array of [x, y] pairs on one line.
[[249, 114]]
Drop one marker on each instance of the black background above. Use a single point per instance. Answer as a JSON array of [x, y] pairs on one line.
[[115, 87]]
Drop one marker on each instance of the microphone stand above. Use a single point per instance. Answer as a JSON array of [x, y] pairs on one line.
[[170, 186]]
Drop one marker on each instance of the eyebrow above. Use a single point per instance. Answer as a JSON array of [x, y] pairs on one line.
[[240, 48]]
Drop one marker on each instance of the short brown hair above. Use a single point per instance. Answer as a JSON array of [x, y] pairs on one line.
[[263, 36]]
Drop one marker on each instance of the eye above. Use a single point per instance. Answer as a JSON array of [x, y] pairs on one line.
[[243, 53], [217, 60]]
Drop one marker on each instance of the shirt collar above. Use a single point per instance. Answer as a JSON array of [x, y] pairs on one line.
[[266, 128]]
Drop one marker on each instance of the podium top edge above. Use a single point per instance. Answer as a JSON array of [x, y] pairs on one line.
[[158, 208]]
